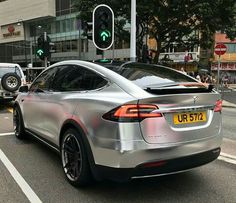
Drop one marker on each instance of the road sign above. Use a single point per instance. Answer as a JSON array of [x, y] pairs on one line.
[[220, 49]]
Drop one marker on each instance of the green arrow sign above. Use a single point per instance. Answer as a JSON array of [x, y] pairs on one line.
[[40, 52], [105, 34]]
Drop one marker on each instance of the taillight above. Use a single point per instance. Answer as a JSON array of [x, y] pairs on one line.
[[132, 113], [218, 106]]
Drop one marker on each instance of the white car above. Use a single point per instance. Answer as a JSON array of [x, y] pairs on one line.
[[11, 78]]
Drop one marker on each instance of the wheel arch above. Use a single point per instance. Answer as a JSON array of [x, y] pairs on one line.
[[73, 124]]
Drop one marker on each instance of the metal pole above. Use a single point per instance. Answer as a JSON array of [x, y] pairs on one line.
[[31, 53], [79, 24], [26, 61], [113, 51], [45, 59], [133, 31], [218, 73]]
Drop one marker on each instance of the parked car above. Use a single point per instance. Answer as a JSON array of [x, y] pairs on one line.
[[11, 78], [121, 121]]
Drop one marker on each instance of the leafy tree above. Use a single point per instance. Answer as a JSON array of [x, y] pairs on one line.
[[171, 21]]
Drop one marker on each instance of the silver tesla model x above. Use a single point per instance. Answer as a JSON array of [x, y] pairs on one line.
[[121, 121]]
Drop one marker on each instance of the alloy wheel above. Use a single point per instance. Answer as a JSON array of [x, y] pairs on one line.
[[71, 157]]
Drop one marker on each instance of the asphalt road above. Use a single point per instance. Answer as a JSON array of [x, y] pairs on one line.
[[229, 96], [41, 169], [36, 172]]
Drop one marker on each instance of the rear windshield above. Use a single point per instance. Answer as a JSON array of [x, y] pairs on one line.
[[4, 70], [159, 79], [148, 75]]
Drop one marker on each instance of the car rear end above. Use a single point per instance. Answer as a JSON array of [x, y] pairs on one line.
[[175, 128], [8, 90]]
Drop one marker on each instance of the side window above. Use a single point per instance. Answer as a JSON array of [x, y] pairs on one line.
[[77, 78], [43, 82]]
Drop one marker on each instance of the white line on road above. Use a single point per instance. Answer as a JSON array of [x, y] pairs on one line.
[[227, 158], [5, 134], [19, 179]]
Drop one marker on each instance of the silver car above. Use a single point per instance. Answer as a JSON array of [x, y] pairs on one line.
[[121, 121]]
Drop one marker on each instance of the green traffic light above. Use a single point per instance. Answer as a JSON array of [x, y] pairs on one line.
[[40, 52], [105, 35]]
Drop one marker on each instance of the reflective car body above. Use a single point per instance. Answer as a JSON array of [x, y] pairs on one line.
[[135, 119]]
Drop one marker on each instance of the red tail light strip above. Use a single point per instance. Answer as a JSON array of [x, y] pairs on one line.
[[218, 106], [132, 113]]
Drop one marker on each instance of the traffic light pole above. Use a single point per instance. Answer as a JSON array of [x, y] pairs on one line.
[[218, 74], [133, 31], [46, 58]]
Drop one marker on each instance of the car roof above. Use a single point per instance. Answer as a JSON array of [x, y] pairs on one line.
[[9, 65], [122, 82]]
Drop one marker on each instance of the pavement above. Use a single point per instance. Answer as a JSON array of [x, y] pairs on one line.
[[228, 104], [232, 87]]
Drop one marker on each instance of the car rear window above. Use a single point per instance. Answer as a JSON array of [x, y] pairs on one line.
[[146, 74], [4, 70], [159, 79]]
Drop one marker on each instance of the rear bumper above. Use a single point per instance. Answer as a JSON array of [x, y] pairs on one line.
[[130, 154], [7, 96], [158, 167]]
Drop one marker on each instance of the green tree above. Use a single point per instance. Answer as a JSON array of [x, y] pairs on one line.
[[171, 21]]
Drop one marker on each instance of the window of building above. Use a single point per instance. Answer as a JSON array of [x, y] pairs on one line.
[[64, 7]]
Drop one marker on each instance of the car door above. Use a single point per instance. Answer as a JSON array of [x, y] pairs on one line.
[[37, 106]]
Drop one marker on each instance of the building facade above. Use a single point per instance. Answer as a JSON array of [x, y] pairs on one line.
[[22, 22]]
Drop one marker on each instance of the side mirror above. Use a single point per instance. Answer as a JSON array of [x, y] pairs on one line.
[[24, 88]]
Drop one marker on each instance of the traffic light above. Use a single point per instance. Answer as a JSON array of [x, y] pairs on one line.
[[40, 49], [44, 46], [103, 27]]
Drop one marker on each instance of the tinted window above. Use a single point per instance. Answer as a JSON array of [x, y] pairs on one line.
[[148, 75], [43, 81], [77, 78]]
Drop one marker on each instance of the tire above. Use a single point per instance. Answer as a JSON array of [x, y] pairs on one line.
[[18, 123], [11, 82], [74, 159]]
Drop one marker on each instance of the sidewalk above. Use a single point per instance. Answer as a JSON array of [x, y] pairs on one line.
[[233, 86], [228, 104]]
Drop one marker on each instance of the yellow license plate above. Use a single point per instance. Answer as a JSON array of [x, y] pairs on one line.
[[189, 117]]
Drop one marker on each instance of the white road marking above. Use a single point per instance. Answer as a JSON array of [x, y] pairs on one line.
[[19, 179], [227, 158], [5, 134]]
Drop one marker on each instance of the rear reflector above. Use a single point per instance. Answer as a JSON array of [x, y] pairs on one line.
[[218, 106], [132, 113], [154, 164]]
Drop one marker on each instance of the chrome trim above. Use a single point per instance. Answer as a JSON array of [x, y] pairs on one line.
[[163, 174], [185, 108]]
